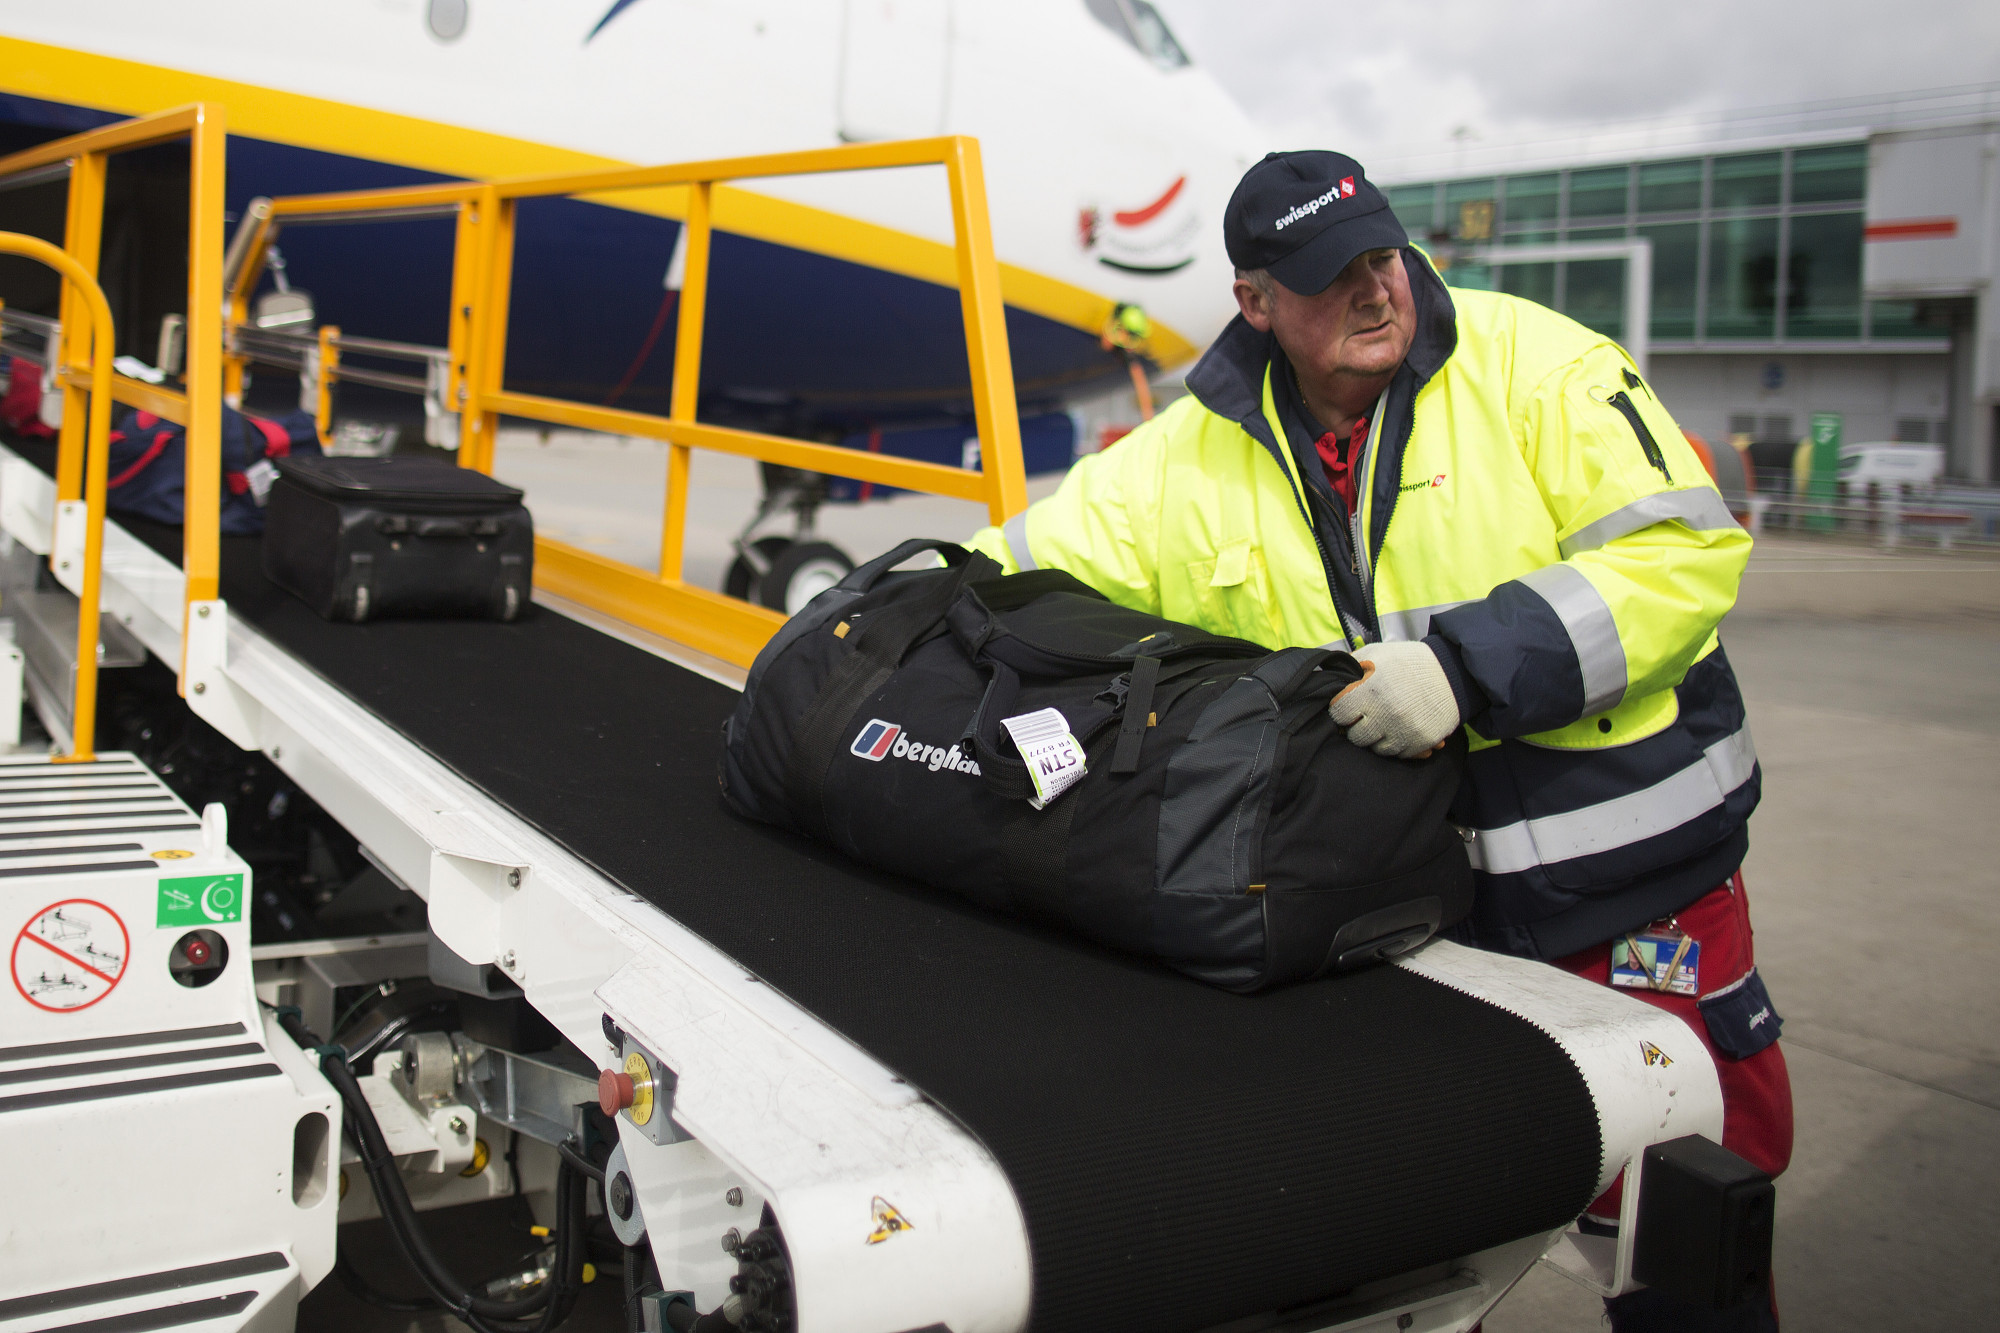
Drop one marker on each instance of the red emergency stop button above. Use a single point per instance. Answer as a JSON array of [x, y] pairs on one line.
[[614, 1091]]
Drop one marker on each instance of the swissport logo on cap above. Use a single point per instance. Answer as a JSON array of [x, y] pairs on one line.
[[1305, 216]]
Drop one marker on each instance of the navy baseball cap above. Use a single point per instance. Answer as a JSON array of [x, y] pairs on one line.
[[1305, 216]]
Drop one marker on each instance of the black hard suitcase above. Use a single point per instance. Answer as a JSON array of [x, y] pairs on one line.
[[365, 538]]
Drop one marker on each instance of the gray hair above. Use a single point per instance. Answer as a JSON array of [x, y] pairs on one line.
[[1261, 279]]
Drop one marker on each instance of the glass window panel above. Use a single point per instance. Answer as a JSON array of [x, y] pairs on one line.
[[1828, 175], [1537, 282], [1529, 236], [1471, 275], [1598, 193], [1670, 187], [1594, 295], [1531, 198], [1469, 209], [1898, 319], [1581, 235], [1823, 272], [1413, 206], [1749, 181], [1742, 277], [1676, 277]]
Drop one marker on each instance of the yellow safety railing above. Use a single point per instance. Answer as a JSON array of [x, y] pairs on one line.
[[481, 285], [81, 294], [84, 158]]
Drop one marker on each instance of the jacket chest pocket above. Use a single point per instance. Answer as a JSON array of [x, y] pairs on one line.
[[1232, 594]]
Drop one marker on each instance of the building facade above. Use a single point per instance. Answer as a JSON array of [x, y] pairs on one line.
[[1808, 268]]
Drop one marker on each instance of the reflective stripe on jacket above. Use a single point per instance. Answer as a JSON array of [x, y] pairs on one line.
[[1532, 512]]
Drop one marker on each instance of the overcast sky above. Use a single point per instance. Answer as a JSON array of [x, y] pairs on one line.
[[1383, 79]]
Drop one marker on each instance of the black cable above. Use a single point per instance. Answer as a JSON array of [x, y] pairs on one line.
[[580, 1162], [554, 1298]]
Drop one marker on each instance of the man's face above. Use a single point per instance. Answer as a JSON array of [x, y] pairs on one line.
[[1361, 326]]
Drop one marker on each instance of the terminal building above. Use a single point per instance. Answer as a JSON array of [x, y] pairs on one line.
[[1831, 258]]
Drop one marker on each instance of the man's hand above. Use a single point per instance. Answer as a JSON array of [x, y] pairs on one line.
[[1402, 706]]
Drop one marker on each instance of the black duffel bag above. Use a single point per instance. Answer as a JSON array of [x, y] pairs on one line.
[[1223, 823]]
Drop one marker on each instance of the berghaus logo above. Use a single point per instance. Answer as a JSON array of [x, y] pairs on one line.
[[881, 740]]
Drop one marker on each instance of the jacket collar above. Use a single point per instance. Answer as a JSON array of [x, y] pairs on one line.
[[1229, 378]]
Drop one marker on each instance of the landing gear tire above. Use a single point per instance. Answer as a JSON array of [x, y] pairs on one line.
[[801, 572], [741, 581]]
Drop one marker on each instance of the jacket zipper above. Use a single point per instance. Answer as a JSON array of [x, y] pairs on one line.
[[1364, 474], [1623, 402]]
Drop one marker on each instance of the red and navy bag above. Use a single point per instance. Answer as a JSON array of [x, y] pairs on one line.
[[148, 466]]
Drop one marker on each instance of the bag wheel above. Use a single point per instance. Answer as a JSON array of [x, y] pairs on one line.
[[802, 572]]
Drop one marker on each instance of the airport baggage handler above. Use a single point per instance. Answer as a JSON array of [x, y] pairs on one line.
[[1486, 503]]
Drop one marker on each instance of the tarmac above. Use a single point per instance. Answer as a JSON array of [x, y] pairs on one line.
[[1873, 682]]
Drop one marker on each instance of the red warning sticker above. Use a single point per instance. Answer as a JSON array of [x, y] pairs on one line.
[[70, 955]]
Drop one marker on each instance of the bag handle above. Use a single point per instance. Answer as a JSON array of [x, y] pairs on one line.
[[877, 650], [862, 577]]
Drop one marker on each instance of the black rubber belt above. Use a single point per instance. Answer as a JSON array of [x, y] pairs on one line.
[[1183, 1157]]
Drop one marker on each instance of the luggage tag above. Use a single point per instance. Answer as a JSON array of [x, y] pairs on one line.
[[261, 475], [1660, 958], [1054, 758]]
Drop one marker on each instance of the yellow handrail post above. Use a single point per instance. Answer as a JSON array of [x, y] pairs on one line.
[[489, 342], [994, 409], [94, 426], [83, 232], [687, 377], [202, 489], [468, 253], [325, 364]]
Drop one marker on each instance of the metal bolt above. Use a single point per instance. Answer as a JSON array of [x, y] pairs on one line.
[[277, 752], [456, 1124], [514, 879], [732, 1241], [200, 688], [734, 1198], [63, 564], [507, 960], [201, 611]]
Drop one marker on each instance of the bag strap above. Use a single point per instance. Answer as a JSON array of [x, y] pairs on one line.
[[1138, 711], [885, 636], [1034, 857]]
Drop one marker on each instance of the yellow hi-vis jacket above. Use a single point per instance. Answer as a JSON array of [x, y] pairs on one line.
[[1529, 510]]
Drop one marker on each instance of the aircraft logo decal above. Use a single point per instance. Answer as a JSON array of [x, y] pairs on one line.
[[1155, 238]]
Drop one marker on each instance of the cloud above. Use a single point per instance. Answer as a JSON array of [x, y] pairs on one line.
[[1377, 80]]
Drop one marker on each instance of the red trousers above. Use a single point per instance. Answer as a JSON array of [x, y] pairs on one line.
[[1756, 1092]]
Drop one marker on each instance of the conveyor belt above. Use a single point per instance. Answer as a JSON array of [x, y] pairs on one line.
[[1183, 1156]]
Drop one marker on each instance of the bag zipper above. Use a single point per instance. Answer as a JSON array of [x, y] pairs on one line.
[[1623, 402]]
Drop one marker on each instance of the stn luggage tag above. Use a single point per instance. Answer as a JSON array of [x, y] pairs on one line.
[[1054, 758], [1660, 958]]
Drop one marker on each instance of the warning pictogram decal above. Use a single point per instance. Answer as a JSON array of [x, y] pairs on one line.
[[70, 955], [887, 1221]]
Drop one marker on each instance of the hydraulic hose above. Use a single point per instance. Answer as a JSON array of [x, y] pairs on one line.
[[485, 1314]]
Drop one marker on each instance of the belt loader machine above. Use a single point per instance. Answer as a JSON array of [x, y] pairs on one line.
[[834, 1101], [927, 1118]]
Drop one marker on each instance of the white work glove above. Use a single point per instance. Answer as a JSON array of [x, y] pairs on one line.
[[1402, 706]]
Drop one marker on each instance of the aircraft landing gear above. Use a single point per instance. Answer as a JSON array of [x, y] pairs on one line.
[[784, 573]]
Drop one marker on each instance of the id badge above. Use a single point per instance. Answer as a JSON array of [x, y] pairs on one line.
[[1657, 959]]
